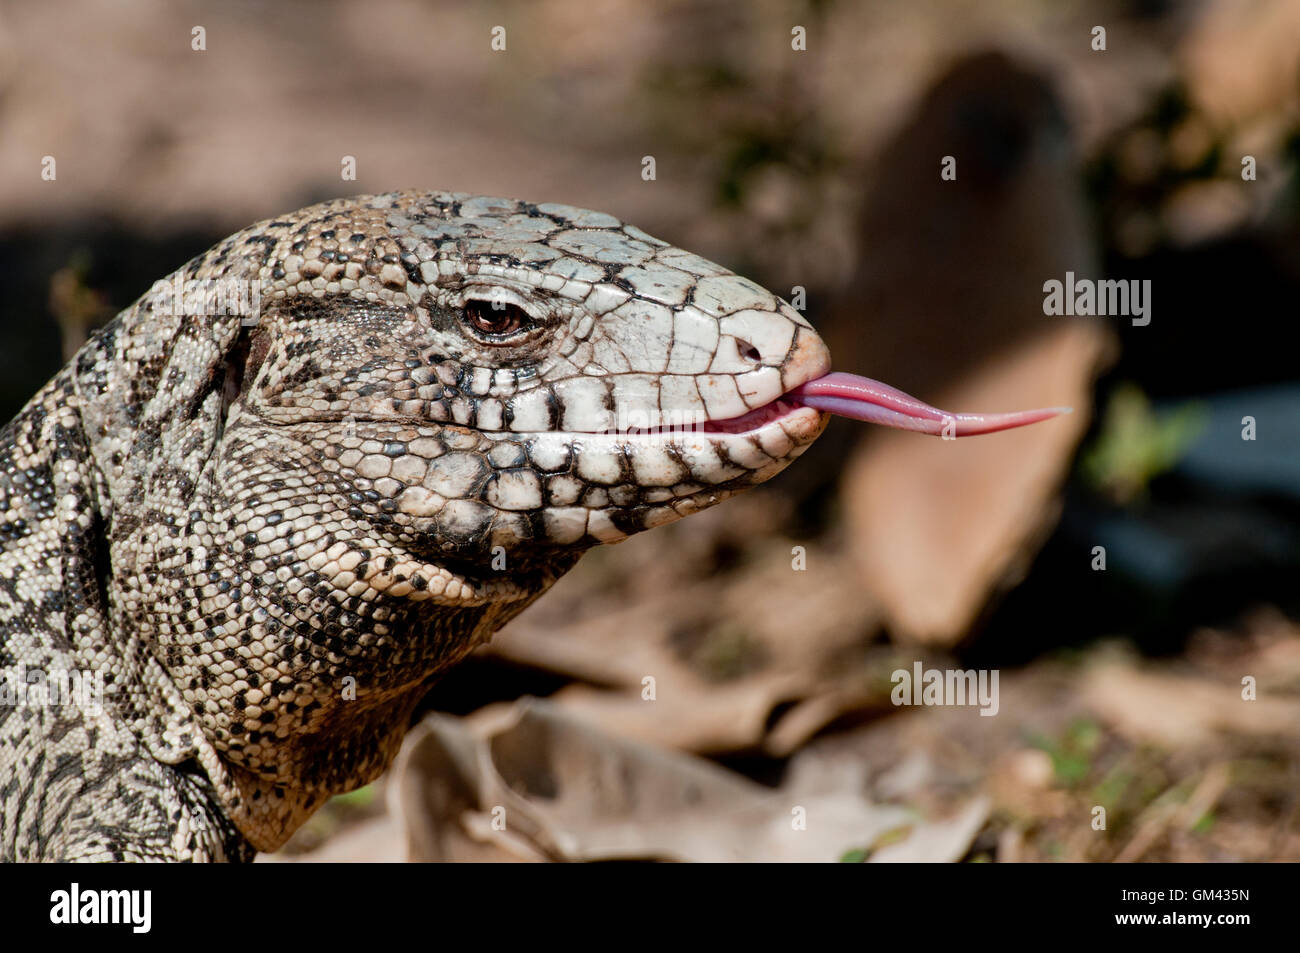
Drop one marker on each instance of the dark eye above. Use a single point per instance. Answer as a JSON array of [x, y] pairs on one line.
[[496, 319]]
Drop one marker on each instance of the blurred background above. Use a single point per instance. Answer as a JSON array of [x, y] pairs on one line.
[[1130, 571]]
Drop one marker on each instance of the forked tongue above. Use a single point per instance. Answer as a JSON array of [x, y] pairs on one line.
[[861, 398]]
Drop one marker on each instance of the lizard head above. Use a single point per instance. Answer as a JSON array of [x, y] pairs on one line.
[[484, 377]]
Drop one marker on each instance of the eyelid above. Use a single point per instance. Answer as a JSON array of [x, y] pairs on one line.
[[490, 293]]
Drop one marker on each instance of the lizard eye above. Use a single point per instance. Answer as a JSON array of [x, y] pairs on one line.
[[496, 319]]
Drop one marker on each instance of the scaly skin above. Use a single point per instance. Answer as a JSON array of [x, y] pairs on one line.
[[271, 538]]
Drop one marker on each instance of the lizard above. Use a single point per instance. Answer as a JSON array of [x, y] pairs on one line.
[[261, 530]]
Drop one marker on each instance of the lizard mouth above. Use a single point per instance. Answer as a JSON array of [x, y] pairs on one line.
[[778, 409], [861, 398]]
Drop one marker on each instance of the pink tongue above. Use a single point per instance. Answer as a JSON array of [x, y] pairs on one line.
[[864, 399]]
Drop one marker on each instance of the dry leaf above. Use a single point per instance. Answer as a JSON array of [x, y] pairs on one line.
[[543, 783]]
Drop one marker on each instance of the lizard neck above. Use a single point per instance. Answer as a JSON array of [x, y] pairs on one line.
[[349, 728]]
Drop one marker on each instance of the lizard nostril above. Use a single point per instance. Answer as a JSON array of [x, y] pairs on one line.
[[748, 352]]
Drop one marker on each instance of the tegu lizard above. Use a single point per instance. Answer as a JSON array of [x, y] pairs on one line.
[[266, 529]]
